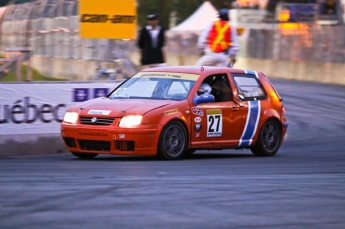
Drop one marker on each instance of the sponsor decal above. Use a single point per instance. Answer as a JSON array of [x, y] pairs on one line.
[[253, 116], [197, 135], [122, 135], [83, 94], [182, 76], [93, 134], [251, 94], [169, 112], [99, 112], [23, 111], [197, 111], [100, 92], [80, 94], [214, 123], [197, 119], [198, 127]]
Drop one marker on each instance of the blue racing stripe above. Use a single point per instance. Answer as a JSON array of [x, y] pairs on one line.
[[251, 123], [252, 73]]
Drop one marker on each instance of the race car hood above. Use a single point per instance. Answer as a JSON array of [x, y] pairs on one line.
[[119, 107]]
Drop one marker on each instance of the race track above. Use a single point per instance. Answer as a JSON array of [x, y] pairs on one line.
[[303, 186]]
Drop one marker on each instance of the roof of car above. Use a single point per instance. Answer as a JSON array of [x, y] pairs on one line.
[[186, 69]]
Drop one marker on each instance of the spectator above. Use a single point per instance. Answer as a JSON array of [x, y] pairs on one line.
[[151, 41], [218, 41]]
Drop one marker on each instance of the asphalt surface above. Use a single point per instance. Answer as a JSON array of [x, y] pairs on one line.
[[303, 186]]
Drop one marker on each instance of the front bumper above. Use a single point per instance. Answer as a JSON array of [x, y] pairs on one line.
[[142, 140]]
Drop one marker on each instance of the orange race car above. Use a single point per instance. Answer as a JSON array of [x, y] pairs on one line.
[[172, 111]]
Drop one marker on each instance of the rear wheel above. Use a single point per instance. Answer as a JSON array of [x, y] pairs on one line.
[[269, 139], [173, 141], [85, 155]]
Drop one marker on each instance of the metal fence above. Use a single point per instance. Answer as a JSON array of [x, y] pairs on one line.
[[51, 29]]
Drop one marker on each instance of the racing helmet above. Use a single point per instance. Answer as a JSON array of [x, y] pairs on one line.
[[223, 14], [204, 89]]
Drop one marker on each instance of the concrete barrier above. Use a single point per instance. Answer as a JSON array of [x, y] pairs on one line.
[[330, 73], [31, 113], [31, 144], [322, 72]]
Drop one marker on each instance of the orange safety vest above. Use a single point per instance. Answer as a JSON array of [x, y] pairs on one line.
[[219, 37]]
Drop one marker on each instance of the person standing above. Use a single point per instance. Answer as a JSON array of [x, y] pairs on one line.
[[219, 42], [151, 41]]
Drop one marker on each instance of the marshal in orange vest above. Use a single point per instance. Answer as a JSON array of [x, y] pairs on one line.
[[219, 38]]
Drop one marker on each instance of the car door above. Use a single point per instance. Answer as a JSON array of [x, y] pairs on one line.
[[218, 124], [249, 93]]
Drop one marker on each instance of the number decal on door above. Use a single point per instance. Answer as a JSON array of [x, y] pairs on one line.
[[214, 123]]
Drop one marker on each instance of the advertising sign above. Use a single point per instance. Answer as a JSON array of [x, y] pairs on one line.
[[108, 19], [296, 12], [39, 108]]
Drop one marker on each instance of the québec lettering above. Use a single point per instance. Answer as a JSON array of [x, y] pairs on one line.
[[22, 111]]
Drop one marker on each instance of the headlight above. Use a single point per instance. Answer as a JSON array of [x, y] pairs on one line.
[[71, 117], [130, 121]]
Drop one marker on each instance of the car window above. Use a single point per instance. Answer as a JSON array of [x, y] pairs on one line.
[[179, 88], [249, 87], [134, 87], [162, 86], [220, 87], [142, 88]]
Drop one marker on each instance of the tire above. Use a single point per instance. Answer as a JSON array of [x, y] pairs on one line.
[[269, 139], [172, 141], [85, 155]]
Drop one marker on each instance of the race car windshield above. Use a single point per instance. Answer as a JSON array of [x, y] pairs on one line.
[[154, 88]]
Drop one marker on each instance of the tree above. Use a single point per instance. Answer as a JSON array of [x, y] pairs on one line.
[[182, 8], [4, 2], [146, 7]]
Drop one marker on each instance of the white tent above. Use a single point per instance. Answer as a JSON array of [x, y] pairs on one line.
[[205, 14]]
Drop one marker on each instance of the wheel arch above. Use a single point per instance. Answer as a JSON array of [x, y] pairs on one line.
[[266, 116], [262, 145], [272, 114], [161, 150], [179, 119]]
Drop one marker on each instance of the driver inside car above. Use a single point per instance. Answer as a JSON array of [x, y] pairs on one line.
[[204, 89]]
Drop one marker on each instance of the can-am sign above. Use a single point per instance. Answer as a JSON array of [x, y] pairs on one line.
[[108, 19], [32, 108]]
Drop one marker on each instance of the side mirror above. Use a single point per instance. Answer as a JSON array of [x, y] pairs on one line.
[[205, 98], [241, 96]]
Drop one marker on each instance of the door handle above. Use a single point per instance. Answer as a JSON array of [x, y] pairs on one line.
[[235, 109]]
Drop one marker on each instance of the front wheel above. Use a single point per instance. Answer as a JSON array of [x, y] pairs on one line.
[[85, 155], [269, 139], [172, 141]]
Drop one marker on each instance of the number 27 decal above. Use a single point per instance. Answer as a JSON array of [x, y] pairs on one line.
[[214, 123]]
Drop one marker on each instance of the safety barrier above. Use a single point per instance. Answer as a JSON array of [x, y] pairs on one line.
[[30, 120]]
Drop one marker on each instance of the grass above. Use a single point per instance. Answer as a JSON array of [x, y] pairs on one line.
[[36, 76]]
